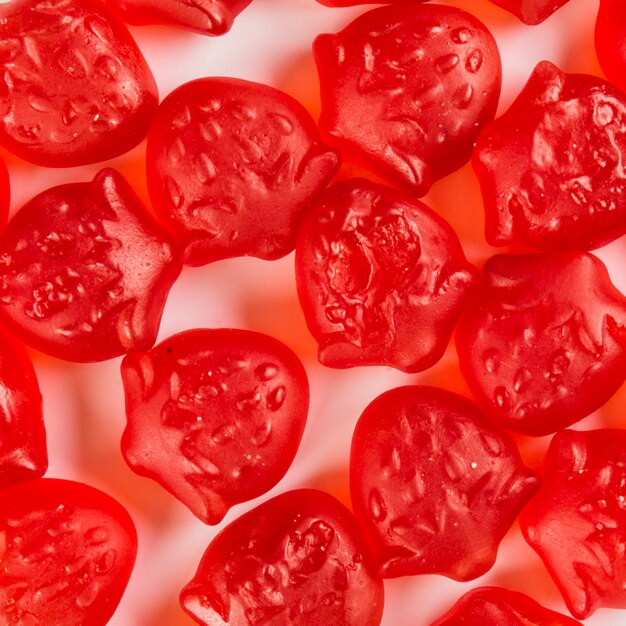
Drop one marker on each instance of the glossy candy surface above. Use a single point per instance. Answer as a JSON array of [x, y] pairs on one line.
[[208, 17], [5, 193], [76, 88], [577, 521], [67, 554], [610, 40], [231, 166], [406, 88], [215, 416], [85, 271], [494, 606], [531, 11], [551, 168], [545, 343], [23, 452], [434, 483], [381, 277], [296, 560]]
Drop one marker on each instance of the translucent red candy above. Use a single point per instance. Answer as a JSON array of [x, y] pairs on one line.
[[67, 554], [349, 3], [494, 606], [85, 271], [406, 89], [544, 344], [381, 277], [531, 11], [435, 485], [5, 193], [296, 560], [215, 416], [208, 17], [23, 452], [231, 166], [577, 521], [550, 168], [610, 40], [76, 88]]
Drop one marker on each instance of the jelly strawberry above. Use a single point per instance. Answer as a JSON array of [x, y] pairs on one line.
[[85, 271], [296, 560], [5, 193], [531, 12], [610, 40], [215, 416], [76, 88], [406, 89]]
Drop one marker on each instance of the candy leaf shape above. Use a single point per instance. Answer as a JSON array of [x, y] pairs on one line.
[[531, 12]]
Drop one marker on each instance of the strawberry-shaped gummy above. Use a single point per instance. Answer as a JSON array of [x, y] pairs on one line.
[[406, 88], [610, 40], [577, 521], [545, 343], [296, 560], [381, 277], [434, 483], [5, 193], [85, 271], [215, 416], [208, 17], [531, 11], [75, 87], [231, 166], [67, 554], [551, 168], [494, 606], [23, 452]]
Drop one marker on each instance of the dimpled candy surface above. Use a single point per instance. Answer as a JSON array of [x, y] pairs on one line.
[[545, 343], [494, 606], [67, 554], [551, 168], [577, 522], [97, 271], [296, 560], [381, 277], [231, 166], [531, 11], [215, 416], [208, 17], [405, 90], [75, 87], [435, 485], [610, 40]]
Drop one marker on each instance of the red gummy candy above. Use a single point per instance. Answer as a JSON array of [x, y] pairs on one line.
[[349, 3], [215, 416], [435, 485], [23, 452], [544, 344], [531, 11], [296, 560], [551, 169], [231, 167], [207, 17], [577, 521], [381, 277], [85, 271], [406, 89], [610, 40], [5, 193], [67, 553], [494, 606], [76, 88]]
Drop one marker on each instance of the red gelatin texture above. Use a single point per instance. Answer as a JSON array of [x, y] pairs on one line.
[[411, 111], [531, 12], [550, 168], [381, 277], [610, 40], [207, 17], [231, 166], [577, 521], [544, 344], [85, 271], [349, 3], [67, 553], [435, 485], [5, 193], [76, 88], [23, 451], [215, 416], [296, 560], [494, 606]]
